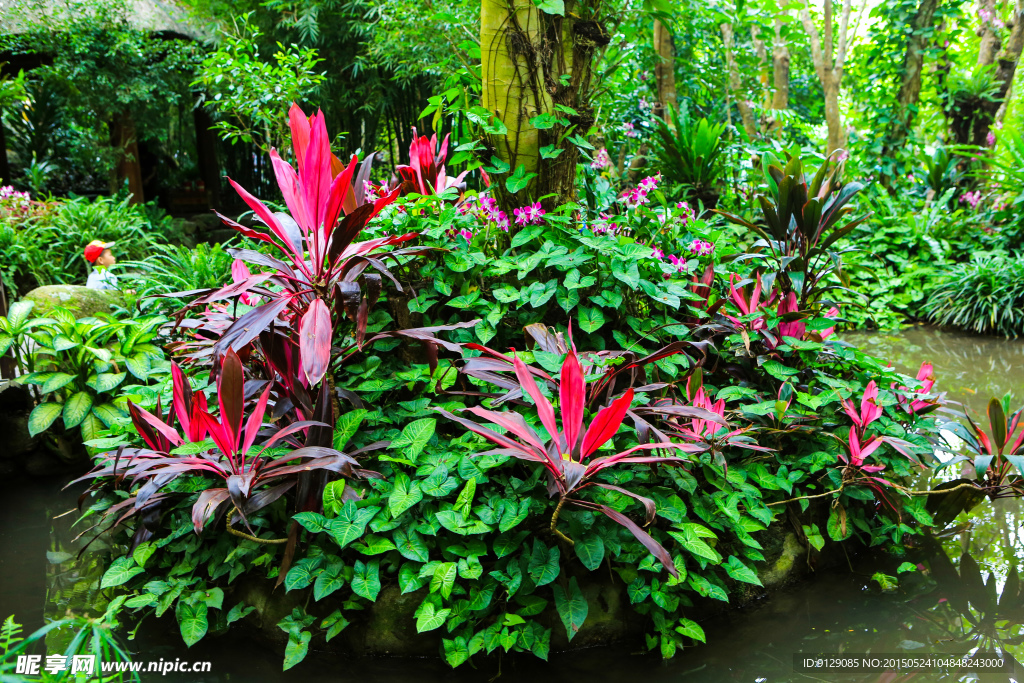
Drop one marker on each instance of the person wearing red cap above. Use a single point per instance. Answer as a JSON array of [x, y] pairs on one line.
[[98, 254]]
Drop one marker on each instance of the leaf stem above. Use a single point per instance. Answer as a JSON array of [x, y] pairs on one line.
[[554, 521]]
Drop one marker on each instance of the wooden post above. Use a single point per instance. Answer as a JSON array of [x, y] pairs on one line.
[[123, 137], [206, 151]]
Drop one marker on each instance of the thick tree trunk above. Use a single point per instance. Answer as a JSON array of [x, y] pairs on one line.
[[780, 75], [761, 50], [736, 85], [665, 69], [833, 116], [989, 44], [829, 68], [532, 61], [972, 118], [910, 82], [123, 137]]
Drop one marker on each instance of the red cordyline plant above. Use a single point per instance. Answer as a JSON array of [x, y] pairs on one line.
[[321, 273], [425, 172], [252, 478], [607, 371], [859, 446], [746, 299], [702, 422], [566, 451], [996, 454]]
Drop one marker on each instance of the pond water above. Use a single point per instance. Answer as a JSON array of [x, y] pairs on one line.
[[842, 609]]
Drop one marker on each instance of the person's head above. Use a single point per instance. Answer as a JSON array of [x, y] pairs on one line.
[[98, 253]]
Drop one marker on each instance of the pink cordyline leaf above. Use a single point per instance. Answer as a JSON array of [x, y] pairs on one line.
[[299, 125], [183, 398], [544, 409], [572, 397], [230, 396], [315, 172], [267, 216], [605, 424], [165, 430], [255, 421], [315, 341], [294, 198]]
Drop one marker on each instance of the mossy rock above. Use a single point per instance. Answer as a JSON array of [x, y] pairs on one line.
[[81, 301]]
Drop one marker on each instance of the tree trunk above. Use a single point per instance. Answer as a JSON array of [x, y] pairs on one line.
[[123, 137], [665, 70], [833, 117], [989, 44], [530, 62], [972, 117], [761, 50], [829, 68], [910, 83], [736, 85], [780, 75]]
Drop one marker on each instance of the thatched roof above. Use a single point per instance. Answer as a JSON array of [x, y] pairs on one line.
[[155, 16]]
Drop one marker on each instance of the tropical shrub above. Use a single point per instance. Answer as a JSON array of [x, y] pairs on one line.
[[985, 295], [691, 155], [45, 240], [717, 391], [170, 268], [76, 366]]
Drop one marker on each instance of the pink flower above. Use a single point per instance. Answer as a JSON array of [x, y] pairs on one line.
[[926, 375], [972, 198], [601, 159], [658, 255], [630, 131], [529, 215], [990, 139], [651, 182]]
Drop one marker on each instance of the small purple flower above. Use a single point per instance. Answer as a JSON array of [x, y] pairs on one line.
[[990, 139], [630, 131], [529, 215], [971, 198], [601, 159]]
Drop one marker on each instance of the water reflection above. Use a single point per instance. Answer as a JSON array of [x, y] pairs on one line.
[[969, 368], [951, 605]]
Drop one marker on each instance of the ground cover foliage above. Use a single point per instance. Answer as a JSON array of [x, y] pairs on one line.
[[327, 422], [496, 375]]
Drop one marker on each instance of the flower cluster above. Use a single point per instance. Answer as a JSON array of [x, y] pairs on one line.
[[678, 263], [630, 130], [529, 215], [688, 214], [699, 247], [607, 226], [485, 209], [601, 159], [638, 195], [972, 198], [988, 17], [12, 198]]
